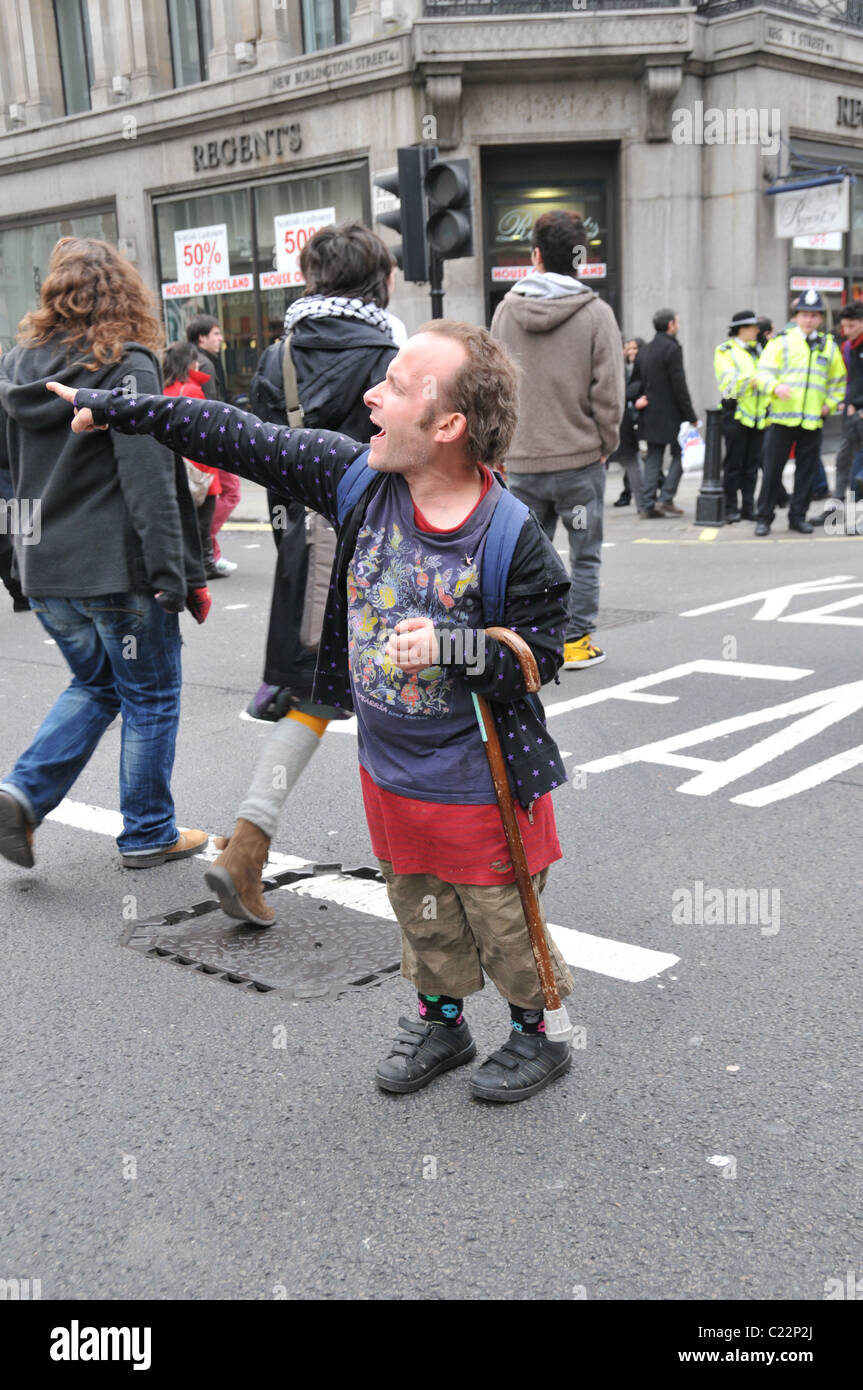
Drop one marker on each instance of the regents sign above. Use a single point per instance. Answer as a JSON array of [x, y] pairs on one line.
[[243, 149]]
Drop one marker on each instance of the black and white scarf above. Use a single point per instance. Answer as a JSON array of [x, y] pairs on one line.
[[318, 306]]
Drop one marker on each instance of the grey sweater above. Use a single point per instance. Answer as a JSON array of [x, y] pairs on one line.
[[109, 512]]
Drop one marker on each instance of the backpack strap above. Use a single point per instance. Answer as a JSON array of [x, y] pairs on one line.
[[502, 536], [506, 526], [293, 408], [353, 483]]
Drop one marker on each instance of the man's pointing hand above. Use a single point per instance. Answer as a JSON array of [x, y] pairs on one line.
[[82, 420]]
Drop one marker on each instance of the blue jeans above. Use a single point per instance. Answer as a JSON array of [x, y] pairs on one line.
[[576, 495], [124, 654]]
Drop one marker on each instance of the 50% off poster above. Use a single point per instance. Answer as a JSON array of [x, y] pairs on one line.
[[292, 231]]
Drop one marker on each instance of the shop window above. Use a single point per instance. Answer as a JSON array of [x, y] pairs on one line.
[[76, 55], [212, 261], [512, 210], [25, 253], [190, 28], [229, 260], [326, 23], [339, 191]]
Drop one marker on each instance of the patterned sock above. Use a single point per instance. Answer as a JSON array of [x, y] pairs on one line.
[[440, 1008], [526, 1020]]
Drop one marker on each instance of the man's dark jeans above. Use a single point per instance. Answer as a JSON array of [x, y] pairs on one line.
[[653, 469]]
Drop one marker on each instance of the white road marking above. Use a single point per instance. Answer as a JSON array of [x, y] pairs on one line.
[[822, 708], [83, 817], [775, 601], [824, 614], [803, 781], [628, 690], [579, 949], [232, 607]]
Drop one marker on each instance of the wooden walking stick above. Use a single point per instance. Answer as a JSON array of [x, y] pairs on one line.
[[557, 1025]]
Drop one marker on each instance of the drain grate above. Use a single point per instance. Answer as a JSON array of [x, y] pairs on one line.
[[619, 617], [315, 950]]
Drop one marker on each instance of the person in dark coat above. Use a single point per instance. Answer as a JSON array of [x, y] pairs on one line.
[[118, 555], [663, 405], [341, 346], [626, 453]]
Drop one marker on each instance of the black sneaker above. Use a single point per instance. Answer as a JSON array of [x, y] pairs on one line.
[[421, 1052], [524, 1065]]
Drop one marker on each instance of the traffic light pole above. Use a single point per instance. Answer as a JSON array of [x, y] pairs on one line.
[[436, 284]]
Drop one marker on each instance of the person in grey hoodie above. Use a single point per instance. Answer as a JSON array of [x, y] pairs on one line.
[[108, 557], [567, 341]]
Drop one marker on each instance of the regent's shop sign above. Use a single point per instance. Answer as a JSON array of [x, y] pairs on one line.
[[250, 147]]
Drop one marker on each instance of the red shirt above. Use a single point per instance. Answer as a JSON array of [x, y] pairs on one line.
[[192, 388], [458, 844]]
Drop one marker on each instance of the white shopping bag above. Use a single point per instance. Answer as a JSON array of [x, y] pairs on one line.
[[691, 448]]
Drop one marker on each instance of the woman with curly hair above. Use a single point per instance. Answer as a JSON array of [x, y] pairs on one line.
[[111, 557]]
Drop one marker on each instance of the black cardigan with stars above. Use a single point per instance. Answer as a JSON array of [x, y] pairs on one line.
[[306, 465]]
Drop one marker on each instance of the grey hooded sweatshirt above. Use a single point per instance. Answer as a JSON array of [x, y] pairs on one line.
[[107, 514], [567, 341]]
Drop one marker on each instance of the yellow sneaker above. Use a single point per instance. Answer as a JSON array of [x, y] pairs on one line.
[[581, 653]]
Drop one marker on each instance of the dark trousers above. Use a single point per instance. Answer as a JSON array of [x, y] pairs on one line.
[[742, 460], [777, 447], [205, 523], [653, 473], [7, 549]]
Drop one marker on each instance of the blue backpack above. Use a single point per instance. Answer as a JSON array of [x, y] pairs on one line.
[[503, 533]]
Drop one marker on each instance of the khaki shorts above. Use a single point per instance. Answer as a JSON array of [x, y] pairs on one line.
[[452, 932]]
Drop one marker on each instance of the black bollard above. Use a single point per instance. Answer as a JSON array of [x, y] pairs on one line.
[[710, 507]]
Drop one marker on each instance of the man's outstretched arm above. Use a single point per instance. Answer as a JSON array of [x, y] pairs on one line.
[[305, 465]]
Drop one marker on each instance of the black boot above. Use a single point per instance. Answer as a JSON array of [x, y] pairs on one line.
[[421, 1052]]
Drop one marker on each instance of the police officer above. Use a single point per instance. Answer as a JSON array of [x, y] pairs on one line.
[[802, 374], [744, 412]]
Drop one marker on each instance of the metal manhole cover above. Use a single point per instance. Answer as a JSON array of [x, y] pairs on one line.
[[618, 617], [315, 950]]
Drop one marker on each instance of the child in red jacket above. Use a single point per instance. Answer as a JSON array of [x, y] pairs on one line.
[[183, 377]]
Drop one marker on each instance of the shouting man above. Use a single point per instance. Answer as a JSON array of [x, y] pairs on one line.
[[411, 569]]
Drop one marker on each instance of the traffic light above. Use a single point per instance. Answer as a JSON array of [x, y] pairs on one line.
[[449, 229], [406, 184]]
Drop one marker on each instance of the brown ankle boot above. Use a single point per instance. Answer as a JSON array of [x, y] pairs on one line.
[[235, 877]]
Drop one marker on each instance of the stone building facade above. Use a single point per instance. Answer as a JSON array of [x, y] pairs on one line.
[[663, 124]]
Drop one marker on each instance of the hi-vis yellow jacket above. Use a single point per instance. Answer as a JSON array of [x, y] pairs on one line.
[[815, 374], [736, 370]]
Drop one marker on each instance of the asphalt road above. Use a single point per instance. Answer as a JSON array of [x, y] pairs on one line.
[[158, 1144]]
